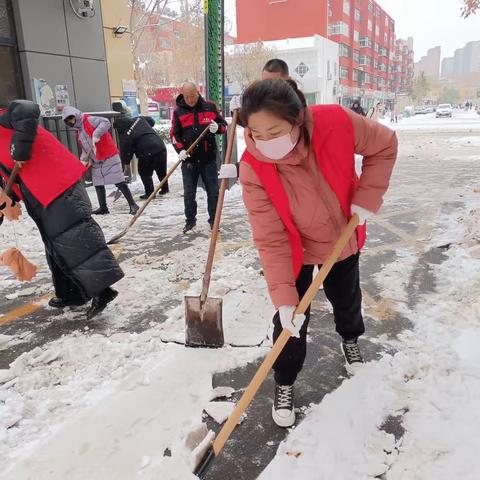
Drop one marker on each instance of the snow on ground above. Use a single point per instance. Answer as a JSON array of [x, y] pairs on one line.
[[432, 383], [115, 404]]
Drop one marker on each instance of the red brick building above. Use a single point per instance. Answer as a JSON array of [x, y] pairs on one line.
[[403, 71], [265, 20], [366, 34]]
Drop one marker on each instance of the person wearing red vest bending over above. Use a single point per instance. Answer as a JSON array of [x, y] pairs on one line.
[[49, 183], [300, 189], [99, 151]]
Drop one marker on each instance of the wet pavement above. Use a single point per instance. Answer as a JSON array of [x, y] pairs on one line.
[[420, 191]]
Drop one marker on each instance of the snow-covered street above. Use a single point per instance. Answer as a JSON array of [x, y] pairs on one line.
[[115, 398]]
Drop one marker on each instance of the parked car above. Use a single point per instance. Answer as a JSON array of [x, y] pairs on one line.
[[420, 110], [444, 110]]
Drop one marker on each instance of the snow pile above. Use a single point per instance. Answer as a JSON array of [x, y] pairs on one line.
[[432, 384]]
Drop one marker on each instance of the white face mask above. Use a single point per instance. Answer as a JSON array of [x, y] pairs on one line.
[[276, 148]]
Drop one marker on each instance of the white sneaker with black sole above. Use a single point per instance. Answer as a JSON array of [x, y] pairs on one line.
[[353, 356], [283, 412]]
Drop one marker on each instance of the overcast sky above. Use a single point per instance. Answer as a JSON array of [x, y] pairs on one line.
[[429, 22], [432, 23]]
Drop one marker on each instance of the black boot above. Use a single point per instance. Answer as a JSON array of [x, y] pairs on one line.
[[100, 303], [102, 201], [165, 189], [123, 187]]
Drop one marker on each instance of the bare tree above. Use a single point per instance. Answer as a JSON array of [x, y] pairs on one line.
[[245, 64], [470, 7]]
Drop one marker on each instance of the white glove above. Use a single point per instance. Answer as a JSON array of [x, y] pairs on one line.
[[363, 214], [236, 103], [213, 127], [228, 171], [286, 319], [183, 155]]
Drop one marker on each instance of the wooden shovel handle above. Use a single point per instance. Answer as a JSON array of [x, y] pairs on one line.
[[12, 178], [218, 213], [277, 348]]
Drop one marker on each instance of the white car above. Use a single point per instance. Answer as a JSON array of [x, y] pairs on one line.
[[444, 110]]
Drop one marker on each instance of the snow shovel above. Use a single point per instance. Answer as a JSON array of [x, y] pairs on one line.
[[203, 315], [8, 186], [120, 235], [213, 450]]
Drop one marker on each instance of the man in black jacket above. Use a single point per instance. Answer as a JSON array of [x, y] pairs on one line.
[[138, 137], [357, 108], [192, 115]]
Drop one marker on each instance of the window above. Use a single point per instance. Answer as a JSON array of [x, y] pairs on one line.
[[378, 11], [376, 47], [355, 75], [375, 64], [370, 25], [365, 42], [356, 36], [357, 15], [344, 50], [338, 28], [346, 7], [365, 60], [377, 31], [344, 73], [386, 21], [370, 6], [356, 56], [367, 78], [385, 37]]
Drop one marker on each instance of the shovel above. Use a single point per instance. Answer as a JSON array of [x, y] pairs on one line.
[[203, 315], [216, 447], [120, 235]]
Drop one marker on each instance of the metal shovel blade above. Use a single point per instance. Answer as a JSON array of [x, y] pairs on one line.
[[203, 328]]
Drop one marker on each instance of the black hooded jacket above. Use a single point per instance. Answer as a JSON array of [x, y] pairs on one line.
[[189, 122], [137, 137]]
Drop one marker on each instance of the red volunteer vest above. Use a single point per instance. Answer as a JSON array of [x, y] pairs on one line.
[[333, 142], [106, 147], [51, 170]]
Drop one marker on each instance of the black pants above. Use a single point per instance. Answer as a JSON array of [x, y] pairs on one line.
[[208, 173], [148, 164], [342, 288]]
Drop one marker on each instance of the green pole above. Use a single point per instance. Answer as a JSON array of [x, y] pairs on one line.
[[214, 56]]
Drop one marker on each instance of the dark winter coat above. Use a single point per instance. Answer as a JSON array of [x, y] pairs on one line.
[[189, 122], [72, 238], [357, 108], [137, 137]]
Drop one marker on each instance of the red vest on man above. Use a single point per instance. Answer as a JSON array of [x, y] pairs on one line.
[[333, 141], [51, 170], [106, 147]]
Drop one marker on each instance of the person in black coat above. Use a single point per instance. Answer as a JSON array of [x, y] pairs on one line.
[[357, 108], [192, 115], [49, 183], [138, 137]]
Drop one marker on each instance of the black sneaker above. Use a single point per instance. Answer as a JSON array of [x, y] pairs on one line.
[[145, 196], [353, 356], [211, 224], [57, 302], [283, 412], [101, 211], [100, 303], [189, 225], [134, 208]]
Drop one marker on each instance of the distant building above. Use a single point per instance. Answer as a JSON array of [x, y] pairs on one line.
[[430, 64]]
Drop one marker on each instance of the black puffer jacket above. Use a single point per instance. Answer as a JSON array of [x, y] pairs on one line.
[[137, 137], [72, 238], [189, 122]]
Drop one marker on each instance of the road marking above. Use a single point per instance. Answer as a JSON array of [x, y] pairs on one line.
[[27, 309]]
